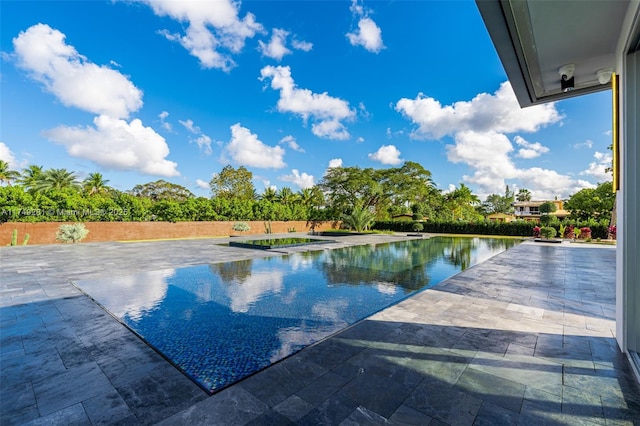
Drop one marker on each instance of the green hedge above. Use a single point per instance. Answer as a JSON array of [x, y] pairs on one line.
[[516, 229]]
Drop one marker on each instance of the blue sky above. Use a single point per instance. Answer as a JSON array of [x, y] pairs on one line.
[[176, 90]]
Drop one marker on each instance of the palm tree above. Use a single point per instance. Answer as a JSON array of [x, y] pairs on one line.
[[461, 199], [30, 177], [523, 195], [269, 194], [95, 183], [6, 174], [359, 219], [56, 179], [311, 197], [286, 196]]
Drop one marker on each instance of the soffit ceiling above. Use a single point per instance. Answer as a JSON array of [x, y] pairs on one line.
[[545, 35]]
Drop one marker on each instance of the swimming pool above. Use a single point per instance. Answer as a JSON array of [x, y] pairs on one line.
[[221, 322]]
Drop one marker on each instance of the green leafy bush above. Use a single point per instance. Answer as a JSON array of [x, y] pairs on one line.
[[417, 227], [71, 233], [548, 232]]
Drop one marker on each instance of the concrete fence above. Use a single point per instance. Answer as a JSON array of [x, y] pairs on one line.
[[45, 232]]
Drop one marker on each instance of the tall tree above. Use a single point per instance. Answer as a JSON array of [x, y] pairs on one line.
[[545, 210], [53, 179], [495, 203], [592, 203], [162, 190], [233, 183], [406, 185], [286, 196], [269, 194], [350, 187], [311, 197], [95, 183], [30, 176], [461, 202], [6, 174], [523, 195]]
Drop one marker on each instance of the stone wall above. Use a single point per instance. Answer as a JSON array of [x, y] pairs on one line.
[[45, 232]]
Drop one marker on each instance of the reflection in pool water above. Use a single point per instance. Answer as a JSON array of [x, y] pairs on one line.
[[221, 322]]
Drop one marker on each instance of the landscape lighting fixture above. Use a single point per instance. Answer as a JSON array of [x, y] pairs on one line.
[[566, 77], [604, 75]]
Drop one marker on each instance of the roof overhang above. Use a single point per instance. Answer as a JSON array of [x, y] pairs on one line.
[[534, 39]]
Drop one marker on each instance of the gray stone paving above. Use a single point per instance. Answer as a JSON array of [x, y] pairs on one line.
[[526, 337]]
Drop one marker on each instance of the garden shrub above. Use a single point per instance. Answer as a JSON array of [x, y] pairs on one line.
[[585, 233], [71, 233], [536, 231], [547, 232]]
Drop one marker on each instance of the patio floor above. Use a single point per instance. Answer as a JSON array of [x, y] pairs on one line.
[[527, 337]]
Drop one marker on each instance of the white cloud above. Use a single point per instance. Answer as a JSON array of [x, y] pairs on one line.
[[387, 154], [276, 48], [72, 78], [499, 113], [529, 150], [117, 144], [213, 29], [547, 184], [368, 34], [586, 144], [305, 46], [360, 139], [488, 153], [479, 129], [597, 168], [291, 143], [326, 112], [202, 184], [163, 116], [188, 124], [203, 141], [7, 155], [302, 180], [246, 149], [113, 142], [335, 162]]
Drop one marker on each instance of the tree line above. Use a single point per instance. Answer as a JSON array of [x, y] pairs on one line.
[[356, 195]]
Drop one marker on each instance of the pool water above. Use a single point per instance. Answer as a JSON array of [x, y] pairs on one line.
[[221, 322], [272, 243]]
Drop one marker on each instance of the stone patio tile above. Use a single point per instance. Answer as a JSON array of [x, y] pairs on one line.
[[492, 415], [17, 404], [70, 387], [282, 380], [361, 416], [444, 403], [69, 416], [160, 394], [331, 412], [293, 408], [332, 352], [408, 416], [109, 409], [232, 406], [321, 389], [488, 387], [31, 367]]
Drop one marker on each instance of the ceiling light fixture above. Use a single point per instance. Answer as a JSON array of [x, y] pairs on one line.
[[566, 77], [604, 75]]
